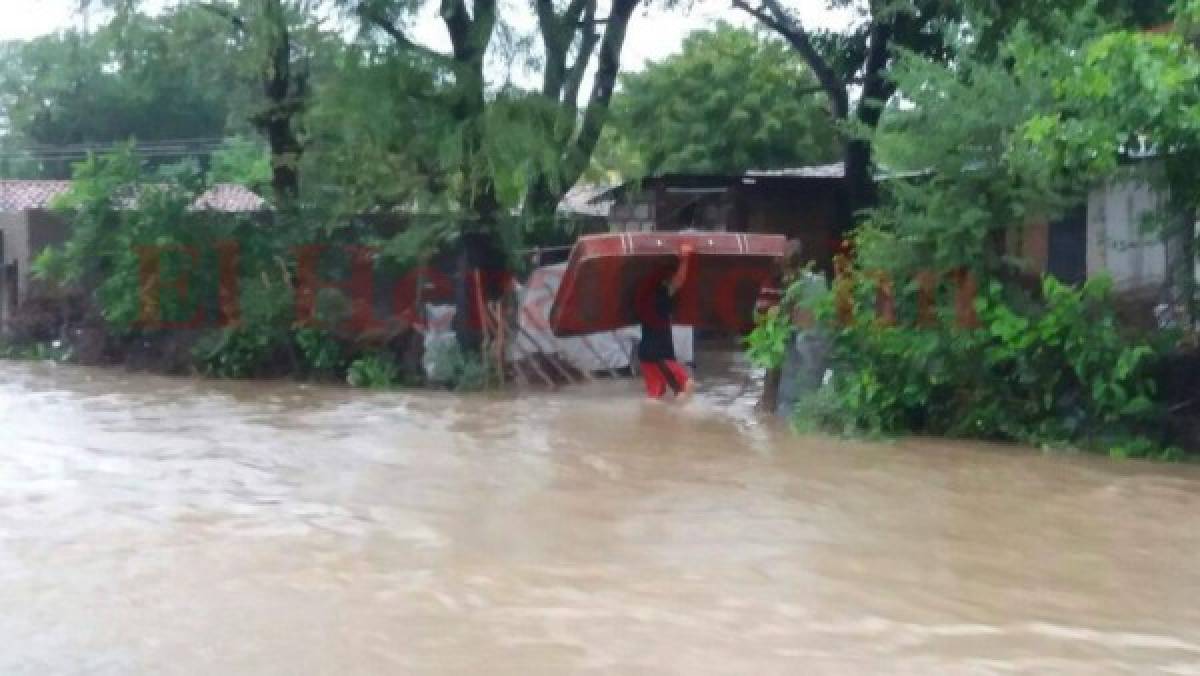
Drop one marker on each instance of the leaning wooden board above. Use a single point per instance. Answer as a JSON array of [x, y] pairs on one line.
[[608, 274]]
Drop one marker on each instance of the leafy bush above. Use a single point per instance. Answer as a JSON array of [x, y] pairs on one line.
[[766, 345], [473, 374], [322, 351], [234, 352], [150, 263], [1056, 372], [457, 369], [377, 371], [38, 351]]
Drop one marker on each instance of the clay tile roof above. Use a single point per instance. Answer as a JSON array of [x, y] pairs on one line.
[[23, 195], [230, 197]]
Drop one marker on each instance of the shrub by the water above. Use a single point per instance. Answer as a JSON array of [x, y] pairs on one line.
[[377, 371], [1051, 371]]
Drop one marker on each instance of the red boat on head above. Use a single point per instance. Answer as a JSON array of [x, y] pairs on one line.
[[606, 274]]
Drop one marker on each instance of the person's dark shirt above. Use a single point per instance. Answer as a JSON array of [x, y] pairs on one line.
[[657, 343]]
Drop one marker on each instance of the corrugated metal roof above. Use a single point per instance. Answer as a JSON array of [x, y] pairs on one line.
[[23, 195], [837, 170], [586, 199], [834, 170], [819, 172]]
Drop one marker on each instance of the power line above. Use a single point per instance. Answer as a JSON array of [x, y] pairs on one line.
[[162, 148], [147, 143]]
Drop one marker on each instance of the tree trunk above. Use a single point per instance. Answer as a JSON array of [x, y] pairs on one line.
[[285, 157], [578, 133], [770, 396], [859, 191], [285, 96], [482, 275], [860, 188]]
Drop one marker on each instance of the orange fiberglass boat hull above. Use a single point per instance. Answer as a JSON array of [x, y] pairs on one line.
[[609, 275]]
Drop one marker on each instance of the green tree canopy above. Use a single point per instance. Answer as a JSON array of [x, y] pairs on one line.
[[731, 100], [148, 78]]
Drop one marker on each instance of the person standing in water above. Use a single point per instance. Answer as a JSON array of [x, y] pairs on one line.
[[656, 351]]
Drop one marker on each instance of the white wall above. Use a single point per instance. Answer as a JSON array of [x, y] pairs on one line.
[[15, 233], [1117, 244]]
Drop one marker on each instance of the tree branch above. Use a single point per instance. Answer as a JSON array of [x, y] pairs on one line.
[[403, 41], [483, 23], [587, 45], [558, 35], [458, 25], [594, 116], [225, 13], [547, 18], [763, 18], [877, 89], [775, 17]]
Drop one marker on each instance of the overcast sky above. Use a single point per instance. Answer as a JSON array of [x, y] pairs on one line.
[[652, 35]]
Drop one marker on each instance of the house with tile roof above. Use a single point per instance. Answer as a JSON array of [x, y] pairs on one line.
[[28, 224]]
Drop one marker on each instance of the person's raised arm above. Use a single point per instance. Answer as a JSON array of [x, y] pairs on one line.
[[681, 273]]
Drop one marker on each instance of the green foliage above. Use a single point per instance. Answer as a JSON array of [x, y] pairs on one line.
[[109, 241], [1003, 135], [731, 100], [1052, 372], [322, 352], [382, 133], [138, 76], [459, 370], [243, 162], [376, 371], [128, 222], [993, 21], [385, 135], [767, 344], [1019, 132], [959, 137], [235, 352], [148, 260], [1121, 94], [41, 351]]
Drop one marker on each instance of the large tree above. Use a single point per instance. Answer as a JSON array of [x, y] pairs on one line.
[[154, 79], [731, 100], [853, 66], [278, 39], [180, 82], [857, 61], [577, 37], [1121, 97], [574, 40]]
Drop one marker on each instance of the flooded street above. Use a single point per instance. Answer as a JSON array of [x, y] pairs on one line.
[[164, 526]]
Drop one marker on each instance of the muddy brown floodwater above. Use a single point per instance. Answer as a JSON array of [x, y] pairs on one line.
[[162, 526]]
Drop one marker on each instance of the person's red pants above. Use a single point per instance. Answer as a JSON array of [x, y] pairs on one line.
[[659, 375]]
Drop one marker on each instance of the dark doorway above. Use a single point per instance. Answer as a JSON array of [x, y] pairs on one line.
[[1066, 250]]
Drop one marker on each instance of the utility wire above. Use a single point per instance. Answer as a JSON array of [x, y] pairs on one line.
[[156, 149]]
